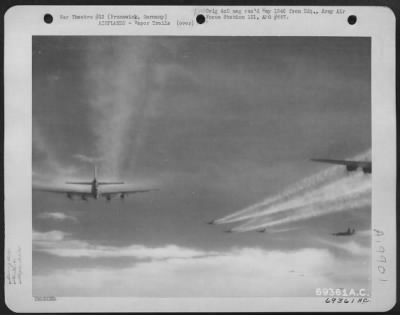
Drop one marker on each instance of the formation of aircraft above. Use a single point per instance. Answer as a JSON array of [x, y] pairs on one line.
[[96, 190], [349, 232], [365, 166]]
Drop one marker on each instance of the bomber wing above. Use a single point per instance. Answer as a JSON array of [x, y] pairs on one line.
[[344, 162], [61, 190], [123, 192], [366, 166]]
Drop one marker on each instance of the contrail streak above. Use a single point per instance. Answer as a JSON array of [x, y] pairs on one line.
[[320, 185], [338, 187], [354, 200], [284, 230], [296, 189], [118, 77], [88, 159]]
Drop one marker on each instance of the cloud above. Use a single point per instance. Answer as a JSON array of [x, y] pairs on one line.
[[57, 216], [51, 236], [75, 248], [61, 244], [241, 272], [175, 271], [352, 247], [358, 245]]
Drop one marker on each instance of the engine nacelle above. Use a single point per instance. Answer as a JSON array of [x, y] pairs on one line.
[[84, 197], [69, 196], [122, 196], [367, 170], [108, 197], [351, 168]]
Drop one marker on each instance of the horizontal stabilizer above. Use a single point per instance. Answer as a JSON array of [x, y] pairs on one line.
[[80, 183]]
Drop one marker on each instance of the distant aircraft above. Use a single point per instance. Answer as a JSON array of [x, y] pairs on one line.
[[351, 166], [95, 191], [297, 272], [349, 232]]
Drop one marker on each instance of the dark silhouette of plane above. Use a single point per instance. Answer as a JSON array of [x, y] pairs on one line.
[[262, 231], [349, 232], [96, 189], [351, 166]]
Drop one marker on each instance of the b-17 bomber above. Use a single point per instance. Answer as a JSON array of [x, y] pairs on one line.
[[97, 189]]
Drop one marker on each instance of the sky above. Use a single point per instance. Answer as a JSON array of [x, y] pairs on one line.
[[217, 124]]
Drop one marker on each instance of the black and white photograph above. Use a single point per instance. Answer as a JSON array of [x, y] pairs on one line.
[[200, 167], [200, 159]]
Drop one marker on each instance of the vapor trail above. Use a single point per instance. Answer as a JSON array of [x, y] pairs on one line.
[[285, 230], [354, 200], [329, 174], [331, 190], [88, 159], [322, 184], [118, 75]]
